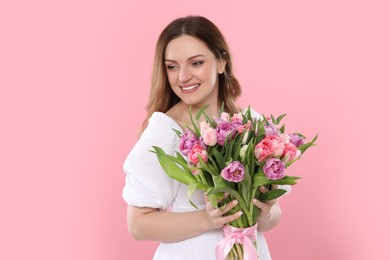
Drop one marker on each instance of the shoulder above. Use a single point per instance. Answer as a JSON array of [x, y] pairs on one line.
[[175, 113], [160, 128], [161, 120], [159, 132]]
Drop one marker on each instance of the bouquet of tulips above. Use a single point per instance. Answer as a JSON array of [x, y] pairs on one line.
[[235, 154]]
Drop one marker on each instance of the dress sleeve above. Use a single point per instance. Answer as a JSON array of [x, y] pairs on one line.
[[147, 184]]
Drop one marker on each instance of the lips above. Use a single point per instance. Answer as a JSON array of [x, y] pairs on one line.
[[189, 87]]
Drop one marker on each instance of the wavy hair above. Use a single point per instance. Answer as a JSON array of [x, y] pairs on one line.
[[162, 97]]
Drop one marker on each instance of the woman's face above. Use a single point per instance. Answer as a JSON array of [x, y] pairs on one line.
[[193, 70]]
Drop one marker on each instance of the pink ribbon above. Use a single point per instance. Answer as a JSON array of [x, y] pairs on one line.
[[232, 235]]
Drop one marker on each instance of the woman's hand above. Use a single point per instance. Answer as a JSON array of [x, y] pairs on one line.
[[215, 216], [270, 211], [265, 207]]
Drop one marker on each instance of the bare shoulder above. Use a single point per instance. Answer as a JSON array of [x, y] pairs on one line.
[[175, 113]]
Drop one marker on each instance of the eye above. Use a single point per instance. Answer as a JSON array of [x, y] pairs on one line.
[[197, 63], [172, 67]]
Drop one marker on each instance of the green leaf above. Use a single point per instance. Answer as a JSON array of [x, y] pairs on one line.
[[250, 158], [232, 192], [213, 198], [248, 114], [301, 135], [272, 194], [282, 129], [291, 162], [210, 121], [222, 109], [304, 147], [200, 112], [246, 186], [189, 128], [180, 157], [182, 163], [273, 120], [259, 179], [248, 154], [205, 166], [287, 180], [195, 125], [265, 120], [214, 165], [256, 210], [222, 206], [172, 169], [280, 118], [219, 182], [191, 189], [209, 179], [236, 151], [178, 133], [260, 136], [219, 158], [229, 149]]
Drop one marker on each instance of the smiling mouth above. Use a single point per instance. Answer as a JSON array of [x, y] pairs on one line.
[[190, 87]]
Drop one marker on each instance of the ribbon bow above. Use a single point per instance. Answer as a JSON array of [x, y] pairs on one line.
[[232, 235]]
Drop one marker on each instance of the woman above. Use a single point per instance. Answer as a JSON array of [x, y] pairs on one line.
[[192, 67]]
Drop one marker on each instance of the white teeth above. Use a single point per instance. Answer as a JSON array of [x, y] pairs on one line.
[[191, 87]]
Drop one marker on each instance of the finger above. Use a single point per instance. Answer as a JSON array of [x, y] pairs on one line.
[[206, 198], [263, 189], [225, 195], [231, 217], [259, 204], [229, 206]]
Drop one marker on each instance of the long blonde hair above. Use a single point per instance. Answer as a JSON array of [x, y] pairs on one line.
[[162, 97]]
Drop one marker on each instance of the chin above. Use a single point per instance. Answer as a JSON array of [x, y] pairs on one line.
[[192, 101]]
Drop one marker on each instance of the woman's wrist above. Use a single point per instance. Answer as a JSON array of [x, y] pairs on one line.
[[270, 220], [268, 217], [205, 223]]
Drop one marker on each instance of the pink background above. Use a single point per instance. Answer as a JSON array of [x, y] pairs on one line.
[[74, 79]]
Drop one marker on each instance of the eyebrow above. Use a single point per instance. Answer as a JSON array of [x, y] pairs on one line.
[[190, 58]]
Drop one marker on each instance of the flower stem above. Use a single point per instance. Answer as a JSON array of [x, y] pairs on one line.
[[234, 252], [202, 177], [251, 207], [239, 251]]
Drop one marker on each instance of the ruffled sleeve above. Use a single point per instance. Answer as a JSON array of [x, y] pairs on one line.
[[147, 185]]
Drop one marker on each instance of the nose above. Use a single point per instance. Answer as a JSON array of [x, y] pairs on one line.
[[185, 74]]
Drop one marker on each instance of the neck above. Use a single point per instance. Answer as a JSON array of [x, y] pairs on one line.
[[212, 110]]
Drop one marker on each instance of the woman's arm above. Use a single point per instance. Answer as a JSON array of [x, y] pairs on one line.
[[270, 212], [154, 224], [270, 215]]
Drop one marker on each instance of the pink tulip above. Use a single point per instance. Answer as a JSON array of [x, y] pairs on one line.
[[195, 151], [290, 152], [210, 137]]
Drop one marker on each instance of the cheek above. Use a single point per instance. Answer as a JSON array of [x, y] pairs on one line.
[[210, 73], [171, 78]]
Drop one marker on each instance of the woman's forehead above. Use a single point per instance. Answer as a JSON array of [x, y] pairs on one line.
[[186, 47]]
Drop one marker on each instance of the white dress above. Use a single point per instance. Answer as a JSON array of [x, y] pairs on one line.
[[147, 185]]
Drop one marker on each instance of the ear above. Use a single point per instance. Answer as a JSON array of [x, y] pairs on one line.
[[221, 65]]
